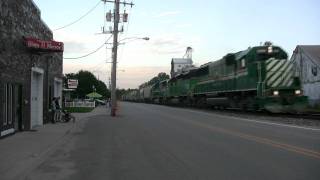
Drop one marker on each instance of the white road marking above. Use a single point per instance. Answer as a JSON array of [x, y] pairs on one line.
[[255, 121], [247, 120]]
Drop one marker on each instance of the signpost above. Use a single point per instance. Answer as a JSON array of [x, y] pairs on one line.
[[72, 83]]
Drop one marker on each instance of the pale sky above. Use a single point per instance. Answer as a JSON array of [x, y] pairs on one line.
[[212, 28]]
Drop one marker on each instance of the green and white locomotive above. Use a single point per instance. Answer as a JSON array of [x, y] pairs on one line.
[[258, 78]]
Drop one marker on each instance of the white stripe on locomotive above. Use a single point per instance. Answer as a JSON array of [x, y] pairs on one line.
[[283, 73], [275, 73]]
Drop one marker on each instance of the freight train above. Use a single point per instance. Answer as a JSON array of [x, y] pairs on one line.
[[258, 78]]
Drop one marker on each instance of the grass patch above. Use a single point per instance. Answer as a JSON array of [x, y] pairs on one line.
[[79, 109]]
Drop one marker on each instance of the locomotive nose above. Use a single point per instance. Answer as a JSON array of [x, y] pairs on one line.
[[279, 73]]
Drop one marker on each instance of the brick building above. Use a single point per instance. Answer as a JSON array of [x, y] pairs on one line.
[[30, 67]]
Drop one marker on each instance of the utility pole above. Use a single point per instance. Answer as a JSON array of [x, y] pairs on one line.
[[115, 32], [114, 59]]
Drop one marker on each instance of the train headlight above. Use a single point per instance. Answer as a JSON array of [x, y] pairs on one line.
[[270, 49], [297, 92], [275, 93]]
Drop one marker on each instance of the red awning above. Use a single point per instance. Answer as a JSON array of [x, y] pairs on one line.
[[43, 46]]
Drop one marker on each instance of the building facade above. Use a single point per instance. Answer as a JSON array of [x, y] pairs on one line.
[[180, 65], [30, 67], [307, 64]]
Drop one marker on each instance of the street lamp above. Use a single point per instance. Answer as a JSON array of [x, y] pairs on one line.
[[131, 39], [114, 71], [135, 38]]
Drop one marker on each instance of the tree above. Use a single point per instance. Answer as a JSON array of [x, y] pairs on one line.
[[161, 77], [121, 92], [87, 83]]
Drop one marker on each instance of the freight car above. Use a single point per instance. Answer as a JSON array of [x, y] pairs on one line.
[[146, 94], [132, 95]]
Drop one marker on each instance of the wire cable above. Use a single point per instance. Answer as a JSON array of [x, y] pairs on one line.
[[67, 25], [96, 66], [89, 53], [92, 51]]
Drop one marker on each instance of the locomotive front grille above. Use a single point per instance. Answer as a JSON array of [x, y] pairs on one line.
[[279, 73]]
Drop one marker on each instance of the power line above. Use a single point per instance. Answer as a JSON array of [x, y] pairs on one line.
[[92, 51], [89, 53], [67, 25], [97, 66]]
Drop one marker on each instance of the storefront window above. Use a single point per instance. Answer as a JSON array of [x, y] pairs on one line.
[[8, 104], [5, 105]]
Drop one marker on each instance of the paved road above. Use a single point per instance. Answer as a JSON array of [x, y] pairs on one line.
[[151, 142]]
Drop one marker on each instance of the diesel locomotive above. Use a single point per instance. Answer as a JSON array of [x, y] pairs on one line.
[[258, 78]]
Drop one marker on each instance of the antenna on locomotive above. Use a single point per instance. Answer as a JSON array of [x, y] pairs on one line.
[[268, 43]]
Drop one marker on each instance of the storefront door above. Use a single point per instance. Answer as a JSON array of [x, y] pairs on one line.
[[36, 97]]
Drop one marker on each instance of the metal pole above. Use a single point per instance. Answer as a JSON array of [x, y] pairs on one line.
[[114, 59]]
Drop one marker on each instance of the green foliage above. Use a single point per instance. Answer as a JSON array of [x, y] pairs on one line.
[[160, 77], [86, 83], [121, 92]]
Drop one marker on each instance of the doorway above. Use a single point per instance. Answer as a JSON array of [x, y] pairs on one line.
[[36, 97], [57, 88]]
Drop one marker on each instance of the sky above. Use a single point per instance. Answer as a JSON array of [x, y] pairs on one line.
[[212, 28]]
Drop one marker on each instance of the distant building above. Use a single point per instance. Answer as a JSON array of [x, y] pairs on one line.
[[307, 65], [30, 67], [180, 65]]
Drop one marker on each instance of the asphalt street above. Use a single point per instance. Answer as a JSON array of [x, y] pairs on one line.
[[152, 142]]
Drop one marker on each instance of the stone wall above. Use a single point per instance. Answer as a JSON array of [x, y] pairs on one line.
[[19, 19]]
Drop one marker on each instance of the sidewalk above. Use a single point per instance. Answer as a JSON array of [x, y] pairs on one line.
[[21, 151]]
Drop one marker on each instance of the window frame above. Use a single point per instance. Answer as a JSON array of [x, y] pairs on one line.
[[8, 103], [5, 105]]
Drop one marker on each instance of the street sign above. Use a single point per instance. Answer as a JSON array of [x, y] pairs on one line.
[[72, 83], [43, 45]]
